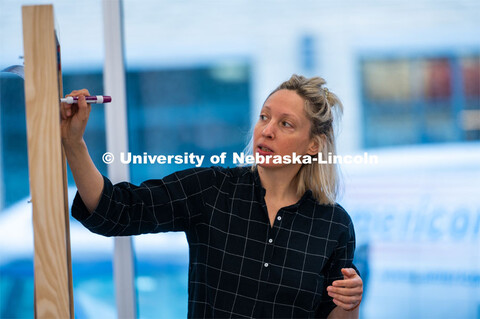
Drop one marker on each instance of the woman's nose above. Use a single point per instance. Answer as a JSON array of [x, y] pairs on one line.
[[268, 131]]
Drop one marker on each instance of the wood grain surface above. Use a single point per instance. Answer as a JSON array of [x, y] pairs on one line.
[[53, 284]]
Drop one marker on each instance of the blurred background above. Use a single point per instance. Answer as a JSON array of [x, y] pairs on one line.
[[197, 72]]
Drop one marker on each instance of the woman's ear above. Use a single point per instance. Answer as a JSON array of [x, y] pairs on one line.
[[315, 145]]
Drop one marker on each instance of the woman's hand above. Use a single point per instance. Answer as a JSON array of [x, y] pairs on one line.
[[74, 118], [347, 293]]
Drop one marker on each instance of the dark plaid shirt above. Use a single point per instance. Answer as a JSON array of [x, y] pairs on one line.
[[240, 266]]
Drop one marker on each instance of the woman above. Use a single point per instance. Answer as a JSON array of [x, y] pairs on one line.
[[264, 242]]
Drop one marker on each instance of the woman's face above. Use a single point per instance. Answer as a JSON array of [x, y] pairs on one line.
[[283, 128]]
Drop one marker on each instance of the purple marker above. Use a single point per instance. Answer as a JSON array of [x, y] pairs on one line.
[[97, 99]]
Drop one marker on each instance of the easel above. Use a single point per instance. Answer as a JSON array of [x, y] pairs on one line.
[[47, 167]]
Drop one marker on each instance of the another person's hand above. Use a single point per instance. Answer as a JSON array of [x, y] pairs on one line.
[[74, 118], [347, 293]]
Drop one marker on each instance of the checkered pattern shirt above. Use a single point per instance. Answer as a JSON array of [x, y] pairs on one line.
[[240, 266]]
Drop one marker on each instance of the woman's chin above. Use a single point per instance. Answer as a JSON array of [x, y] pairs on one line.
[[263, 165]]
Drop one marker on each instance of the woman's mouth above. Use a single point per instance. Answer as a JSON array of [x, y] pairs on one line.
[[263, 149]]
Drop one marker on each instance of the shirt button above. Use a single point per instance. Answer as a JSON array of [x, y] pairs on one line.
[[265, 264], [279, 218], [270, 240]]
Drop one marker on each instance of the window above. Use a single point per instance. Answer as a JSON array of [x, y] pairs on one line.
[[202, 110], [420, 100], [13, 134]]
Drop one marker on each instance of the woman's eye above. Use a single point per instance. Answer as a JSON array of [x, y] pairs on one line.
[[263, 117], [286, 124]]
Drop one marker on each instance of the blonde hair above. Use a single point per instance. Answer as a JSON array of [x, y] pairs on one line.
[[324, 109]]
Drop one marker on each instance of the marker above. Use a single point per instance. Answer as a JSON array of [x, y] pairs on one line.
[[97, 99]]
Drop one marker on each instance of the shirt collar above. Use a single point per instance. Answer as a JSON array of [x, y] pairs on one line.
[[258, 183], [292, 208]]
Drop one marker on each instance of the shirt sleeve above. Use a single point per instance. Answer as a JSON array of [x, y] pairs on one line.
[[342, 258], [168, 204]]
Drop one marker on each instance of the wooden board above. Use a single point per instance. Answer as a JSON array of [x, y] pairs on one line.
[[48, 185]]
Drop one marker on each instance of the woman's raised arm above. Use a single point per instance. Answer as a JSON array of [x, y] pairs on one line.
[[87, 178]]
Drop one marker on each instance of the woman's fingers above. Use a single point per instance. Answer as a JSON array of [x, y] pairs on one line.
[[83, 108], [345, 306], [79, 92], [346, 298], [349, 283], [345, 291], [348, 272], [68, 110]]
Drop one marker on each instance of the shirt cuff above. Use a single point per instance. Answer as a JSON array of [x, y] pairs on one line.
[[81, 213]]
